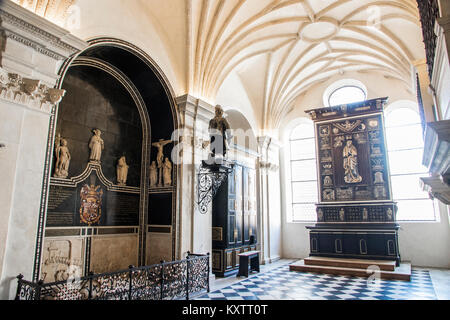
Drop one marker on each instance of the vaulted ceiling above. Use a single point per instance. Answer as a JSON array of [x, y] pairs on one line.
[[283, 48], [279, 49]]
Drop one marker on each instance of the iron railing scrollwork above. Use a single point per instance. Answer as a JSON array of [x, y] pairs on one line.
[[182, 279], [210, 179]]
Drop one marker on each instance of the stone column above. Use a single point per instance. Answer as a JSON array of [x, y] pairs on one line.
[[194, 227], [269, 199], [31, 54]]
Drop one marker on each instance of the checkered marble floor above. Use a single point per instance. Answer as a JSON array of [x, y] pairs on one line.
[[281, 284]]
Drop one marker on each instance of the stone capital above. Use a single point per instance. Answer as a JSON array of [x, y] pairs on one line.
[[195, 108], [28, 92]]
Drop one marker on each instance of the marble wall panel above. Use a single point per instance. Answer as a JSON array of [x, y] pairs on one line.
[[159, 247], [115, 253]]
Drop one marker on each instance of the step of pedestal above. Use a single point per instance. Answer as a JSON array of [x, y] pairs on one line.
[[402, 273], [350, 263]]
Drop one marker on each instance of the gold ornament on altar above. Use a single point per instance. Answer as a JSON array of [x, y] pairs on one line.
[[350, 155]]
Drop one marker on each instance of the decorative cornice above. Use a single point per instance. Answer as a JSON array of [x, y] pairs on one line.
[[20, 25], [28, 92], [347, 110]]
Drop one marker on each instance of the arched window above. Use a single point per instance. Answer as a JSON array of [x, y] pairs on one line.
[[405, 149], [345, 92], [303, 176]]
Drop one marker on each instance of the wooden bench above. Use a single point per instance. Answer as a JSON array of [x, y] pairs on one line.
[[248, 261]]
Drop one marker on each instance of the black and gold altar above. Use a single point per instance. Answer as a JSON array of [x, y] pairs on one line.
[[356, 216]]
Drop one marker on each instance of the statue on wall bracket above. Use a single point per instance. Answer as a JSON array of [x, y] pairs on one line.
[[350, 154], [96, 145], [220, 134], [62, 158]]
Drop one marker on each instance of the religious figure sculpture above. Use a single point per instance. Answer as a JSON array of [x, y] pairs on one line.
[[96, 145], [62, 158], [219, 130], [122, 171], [153, 175], [167, 173], [160, 157], [351, 163]]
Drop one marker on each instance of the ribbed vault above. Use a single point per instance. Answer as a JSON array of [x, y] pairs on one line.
[[298, 44], [279, 49]]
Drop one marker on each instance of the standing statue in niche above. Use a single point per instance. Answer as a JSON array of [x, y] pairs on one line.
[[219, 130], [160, 157], [153, 175], [167, 173], [122, 171], [351, 163], [96, 145], [62, 158]]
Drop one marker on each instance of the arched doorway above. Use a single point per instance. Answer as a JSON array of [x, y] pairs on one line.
[[102, 212]]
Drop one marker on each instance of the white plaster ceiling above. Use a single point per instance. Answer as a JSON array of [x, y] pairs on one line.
[[279, 49]]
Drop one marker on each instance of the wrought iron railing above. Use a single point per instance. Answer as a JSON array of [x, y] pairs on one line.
[[176, 280]]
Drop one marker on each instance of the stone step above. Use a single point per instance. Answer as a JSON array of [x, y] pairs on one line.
[[350, 263], [402, 273]]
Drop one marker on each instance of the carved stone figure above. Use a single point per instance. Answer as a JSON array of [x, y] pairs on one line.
[[122, 171], [167, 173], [219, 130], [160, 157], [96, 145], [62, 158], [153, 175], [351, 163]]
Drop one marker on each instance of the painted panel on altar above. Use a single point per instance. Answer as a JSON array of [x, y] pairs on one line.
[[352, 160]]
